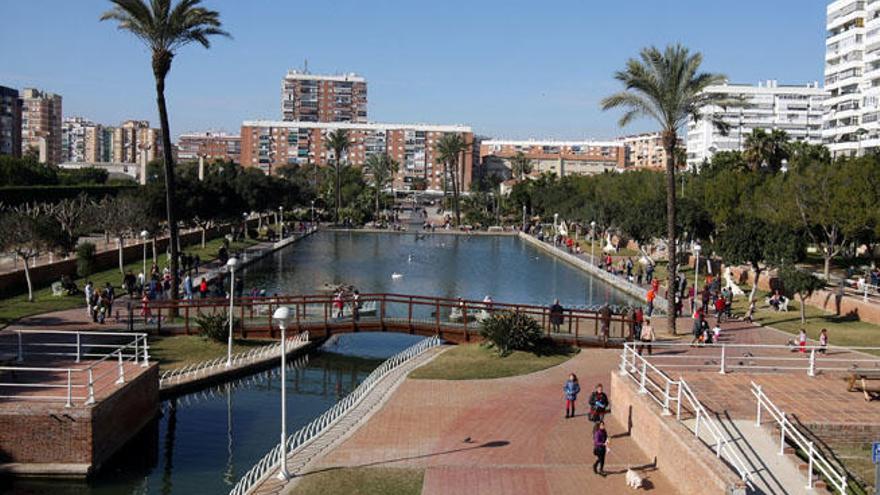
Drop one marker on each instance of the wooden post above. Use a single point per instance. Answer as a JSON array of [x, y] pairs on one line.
[[596, 325], [437, 314], [570, 316], [382, 313], [464, 317], [576, 330]]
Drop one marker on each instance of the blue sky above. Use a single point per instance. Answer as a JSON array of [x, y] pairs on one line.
[[511, 68]]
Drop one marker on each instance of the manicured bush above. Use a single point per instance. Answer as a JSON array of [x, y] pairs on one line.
[[507, 332], [85, 259], [215, 326]]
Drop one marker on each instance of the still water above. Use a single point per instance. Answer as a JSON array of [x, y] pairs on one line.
[[471, 267], [203, 442]]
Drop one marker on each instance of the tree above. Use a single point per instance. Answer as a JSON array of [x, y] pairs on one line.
[[164, 30], [23, 234], [75, 217], [338, 142], [763, 149], [520, 165], [382, 168], [668, 88], [449, 150], [800, 283], [124, 218]]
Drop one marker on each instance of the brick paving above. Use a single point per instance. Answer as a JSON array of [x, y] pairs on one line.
[[53, 389], [502, 436]]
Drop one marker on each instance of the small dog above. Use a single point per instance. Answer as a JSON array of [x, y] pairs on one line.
[[634, 479]]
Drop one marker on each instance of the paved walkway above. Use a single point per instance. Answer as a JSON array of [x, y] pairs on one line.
[[503, 436]]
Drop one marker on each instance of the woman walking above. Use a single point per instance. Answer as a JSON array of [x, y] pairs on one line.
[[600, 448], [571, 390], [647, 336]]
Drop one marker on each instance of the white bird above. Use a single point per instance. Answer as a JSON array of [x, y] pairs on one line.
[[409, 259], [396, 275]]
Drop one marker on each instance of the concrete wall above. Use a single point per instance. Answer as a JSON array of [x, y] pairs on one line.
[[684, 460]]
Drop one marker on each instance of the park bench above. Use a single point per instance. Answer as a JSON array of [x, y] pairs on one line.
[[858, 382]]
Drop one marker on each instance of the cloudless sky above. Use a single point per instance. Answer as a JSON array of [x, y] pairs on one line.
[[509, 68]]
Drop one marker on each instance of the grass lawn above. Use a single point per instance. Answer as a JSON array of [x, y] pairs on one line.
[[362, 481], [15, 307], [475, 361], [841, 331], [857, 459], [180, 350]]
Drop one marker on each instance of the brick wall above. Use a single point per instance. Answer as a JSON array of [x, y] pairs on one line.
[[684, 460]]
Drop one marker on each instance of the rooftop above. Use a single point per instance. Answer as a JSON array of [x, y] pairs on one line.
[[371, 126]]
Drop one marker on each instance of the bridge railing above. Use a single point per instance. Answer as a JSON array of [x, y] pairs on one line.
[[407, 310]]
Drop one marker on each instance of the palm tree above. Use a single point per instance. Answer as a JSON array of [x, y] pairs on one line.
[[165, 30], [757, 149], [338, 142], [668, 87], [520, 165], [383, 169], [449, 150]]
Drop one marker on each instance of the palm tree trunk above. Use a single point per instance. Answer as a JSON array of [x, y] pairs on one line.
[[455, 194], [445, 185], [338, 190], [377, 202], [169, 184], [669, 147]]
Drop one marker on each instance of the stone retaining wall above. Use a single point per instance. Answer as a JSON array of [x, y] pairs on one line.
[[682, 459]]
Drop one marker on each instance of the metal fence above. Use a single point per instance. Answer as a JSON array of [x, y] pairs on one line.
[[305, 435], [52, 378]]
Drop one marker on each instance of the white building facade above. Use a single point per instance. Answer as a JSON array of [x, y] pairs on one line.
[[797, 110], [852, 77]]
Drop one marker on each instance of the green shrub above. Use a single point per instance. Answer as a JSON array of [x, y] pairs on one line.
[[85, 259], [215, 326], [507, 332]]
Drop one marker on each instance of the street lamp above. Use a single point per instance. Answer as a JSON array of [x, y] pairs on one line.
[[245, 219], [281, 316], [592, 241], [281, 226], [697, 249], [231, 265], [144, 235], [313, 213]]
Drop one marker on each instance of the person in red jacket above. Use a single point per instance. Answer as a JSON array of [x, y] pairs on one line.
[[720, 307]]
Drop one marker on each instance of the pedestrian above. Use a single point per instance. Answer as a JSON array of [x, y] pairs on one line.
[[89, 291], [638, 318], [698, 327], [823, 341], [640, 273], [605, 318], [203, 288], [556, 315], [197, 262], [600, 447], [339, 304], [646, 336], [356, 306], [128, 283], [720, 307], [188, 287], [110, 296], [649, 272], [802, 341], [652, 293], [599, 404], [716, 333], [571, 390]]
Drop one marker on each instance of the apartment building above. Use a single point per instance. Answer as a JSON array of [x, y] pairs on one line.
[[795, 109], [212, 146], [272, 144], [73, 139], [558, 157], [852, 77], [309, 97], [645, 151], [135, 142], [41, 125], [10, 122]]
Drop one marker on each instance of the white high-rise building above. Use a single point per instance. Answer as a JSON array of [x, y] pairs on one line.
[[73, 138], [797, 110], [852, 76]]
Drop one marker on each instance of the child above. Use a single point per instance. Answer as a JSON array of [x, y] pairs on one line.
[[716, 333], [823, 341], [599, 404], [802, 341], [571, 389]]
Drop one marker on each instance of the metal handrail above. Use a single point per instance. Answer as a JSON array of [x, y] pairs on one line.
[[320, 424], [636, 367], [238, 359], [815, 460]]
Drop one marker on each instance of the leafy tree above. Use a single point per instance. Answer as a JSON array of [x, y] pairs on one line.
[[724, 161], [450, 148], [338, 142], [668, 87], [801, 283], [520, 165], [26, 171], [164, 30], [85, 259]]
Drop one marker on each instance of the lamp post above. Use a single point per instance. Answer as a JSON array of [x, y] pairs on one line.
[[524, 218], [592, 241], [231, 265], [697, 249], [313, 213], [281, 226], [144, 235], [282, 314]]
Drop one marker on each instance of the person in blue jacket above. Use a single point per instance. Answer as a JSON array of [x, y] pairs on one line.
[[571, 390]]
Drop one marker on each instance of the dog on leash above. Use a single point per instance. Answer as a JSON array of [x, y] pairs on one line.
[[634, 479]]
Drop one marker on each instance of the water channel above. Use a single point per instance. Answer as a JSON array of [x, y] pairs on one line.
[[203, 442]]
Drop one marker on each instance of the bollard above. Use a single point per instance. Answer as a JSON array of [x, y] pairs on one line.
[[69, 389], [91, 399], [121, 378], [78, 346], [723, 370], [810, 468], [811, 371]]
